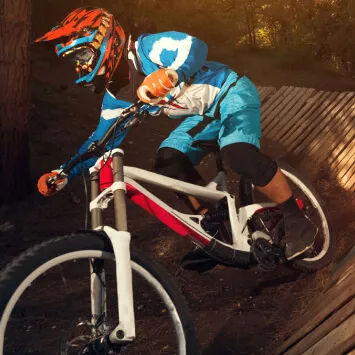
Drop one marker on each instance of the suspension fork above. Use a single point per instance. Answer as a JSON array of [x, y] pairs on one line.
[[97, 270], [120, 240]]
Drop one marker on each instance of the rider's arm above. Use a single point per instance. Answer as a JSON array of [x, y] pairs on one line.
[[111, 109], [173, 50]]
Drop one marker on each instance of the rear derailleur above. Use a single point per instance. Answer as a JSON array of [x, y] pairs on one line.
[[266, 228]]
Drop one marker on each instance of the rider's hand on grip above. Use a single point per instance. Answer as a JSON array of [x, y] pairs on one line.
[[157, 85], [48, 189]]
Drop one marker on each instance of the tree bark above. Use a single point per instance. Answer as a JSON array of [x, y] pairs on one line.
[[15, 29]]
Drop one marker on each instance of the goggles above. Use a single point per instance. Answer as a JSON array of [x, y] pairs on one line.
[[83, 59]]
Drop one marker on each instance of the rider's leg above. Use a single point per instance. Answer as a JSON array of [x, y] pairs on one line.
[[176, 157], [175, 164], [239, 140], [267, 177]]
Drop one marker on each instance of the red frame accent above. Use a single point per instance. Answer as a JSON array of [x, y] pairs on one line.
[[164, 216], [106, 174]]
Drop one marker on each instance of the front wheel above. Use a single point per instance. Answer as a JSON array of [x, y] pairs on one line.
[[45, 301], [324, 247]]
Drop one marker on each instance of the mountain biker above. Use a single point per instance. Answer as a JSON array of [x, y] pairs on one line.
[[169, 71]]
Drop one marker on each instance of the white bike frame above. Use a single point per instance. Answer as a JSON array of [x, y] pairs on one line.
[[184, 224]]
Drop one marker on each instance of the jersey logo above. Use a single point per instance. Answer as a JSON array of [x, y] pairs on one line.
[[182, 47]]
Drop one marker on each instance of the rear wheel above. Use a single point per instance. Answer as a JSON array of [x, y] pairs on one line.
[[45, 301], [323, 249]]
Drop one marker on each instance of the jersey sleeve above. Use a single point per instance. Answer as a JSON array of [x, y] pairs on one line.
[[111, 109], [174, 50]]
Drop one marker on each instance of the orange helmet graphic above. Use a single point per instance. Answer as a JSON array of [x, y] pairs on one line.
[[92, 39]]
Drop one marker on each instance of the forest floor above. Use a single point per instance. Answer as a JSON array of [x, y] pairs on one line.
[[235, 311]]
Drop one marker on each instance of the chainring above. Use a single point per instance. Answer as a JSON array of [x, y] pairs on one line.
[[267, 255]]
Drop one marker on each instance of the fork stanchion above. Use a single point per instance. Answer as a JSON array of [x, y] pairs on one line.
[[97, 271], [119, 195], [96, 213]]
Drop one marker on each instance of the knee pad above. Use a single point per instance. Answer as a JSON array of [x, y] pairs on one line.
[[246, 160], [175, 164]]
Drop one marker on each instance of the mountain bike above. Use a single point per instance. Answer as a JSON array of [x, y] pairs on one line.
[[127, 303]]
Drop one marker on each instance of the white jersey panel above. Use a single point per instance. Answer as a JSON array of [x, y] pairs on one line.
[[193, 99], [110, 114]]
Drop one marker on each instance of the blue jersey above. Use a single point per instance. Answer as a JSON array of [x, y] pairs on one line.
[[200, 86]]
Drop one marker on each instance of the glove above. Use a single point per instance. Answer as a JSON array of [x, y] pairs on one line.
[[49, 190], [157, 85]]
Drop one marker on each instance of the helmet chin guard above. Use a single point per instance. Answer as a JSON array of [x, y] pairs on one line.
[[93, 40]]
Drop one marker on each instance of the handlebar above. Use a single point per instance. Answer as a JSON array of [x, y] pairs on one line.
[[132, 114]]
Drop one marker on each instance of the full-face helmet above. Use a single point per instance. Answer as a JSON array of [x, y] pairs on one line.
[[92, 40]]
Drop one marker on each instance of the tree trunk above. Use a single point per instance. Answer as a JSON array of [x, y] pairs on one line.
[[15, 28]]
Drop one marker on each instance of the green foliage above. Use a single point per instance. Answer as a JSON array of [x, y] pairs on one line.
[[295, 29]]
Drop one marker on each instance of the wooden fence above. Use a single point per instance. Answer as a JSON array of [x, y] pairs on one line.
[[311, 124], [328, 326]]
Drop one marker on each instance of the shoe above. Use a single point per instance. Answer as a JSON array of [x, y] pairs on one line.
[[300, 234], [198, 260]]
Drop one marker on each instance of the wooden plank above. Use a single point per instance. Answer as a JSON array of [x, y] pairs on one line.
[[345, 147], [347, 162], [274, 103], [319, 310], [292, 116], [337, 128], [340, 103], [326, 327], [342, 144], [344, 268], [260, 91], [267, 94], [322, 104], [312, 104], [279, 117], [341, 268], [350, 184], [276, 116], [338, 341], [330, 148], [334, 135], [309, 121], [348, 151], [274, 99], [314, 126], [348, 174]]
